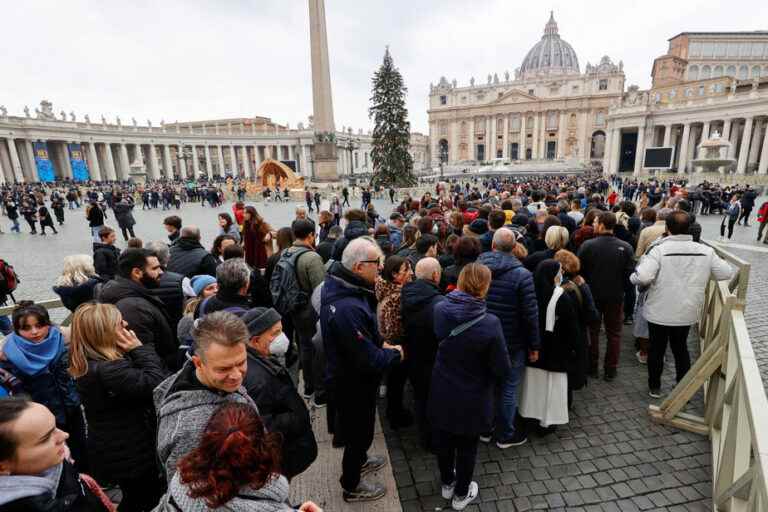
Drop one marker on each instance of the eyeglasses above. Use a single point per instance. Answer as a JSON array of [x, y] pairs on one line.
[[376, 261]]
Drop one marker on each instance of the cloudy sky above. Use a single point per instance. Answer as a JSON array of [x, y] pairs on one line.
[[205, 59]]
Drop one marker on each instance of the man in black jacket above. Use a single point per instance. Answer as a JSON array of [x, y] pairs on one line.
[[188, 257], [747, 204], [170, 287], [270, 386], [606, 263], [139, 271], [418, 301], [234, 279], [105, 254], [95, 218]]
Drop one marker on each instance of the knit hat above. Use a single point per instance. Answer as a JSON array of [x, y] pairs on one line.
[[260, 319], [201, 282], [479, 226]]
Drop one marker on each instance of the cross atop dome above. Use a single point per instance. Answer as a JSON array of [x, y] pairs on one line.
[[550, 29]]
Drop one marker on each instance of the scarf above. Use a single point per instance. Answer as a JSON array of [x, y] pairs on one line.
[[16, 487], [34, 358], [551, 307]]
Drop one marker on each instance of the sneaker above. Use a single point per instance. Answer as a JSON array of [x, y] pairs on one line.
[[374, 463], [517, 439], [486, 438], [642, 357], [365, 491], [610, 374], [459, 503], [308, 393], [654, 393], [447, 490]]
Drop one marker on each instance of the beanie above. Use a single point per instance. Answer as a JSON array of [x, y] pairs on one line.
[[260, 319], [201, 282]]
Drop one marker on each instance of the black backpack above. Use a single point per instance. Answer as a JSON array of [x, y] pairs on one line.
[[287, 295]]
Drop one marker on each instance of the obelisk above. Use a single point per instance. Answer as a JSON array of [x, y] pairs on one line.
[[322, 102]]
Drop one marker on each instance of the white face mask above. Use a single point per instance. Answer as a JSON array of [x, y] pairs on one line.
[[279, 345]]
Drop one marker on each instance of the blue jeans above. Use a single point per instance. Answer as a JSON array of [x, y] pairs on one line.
[[506, 396], [15, 225]]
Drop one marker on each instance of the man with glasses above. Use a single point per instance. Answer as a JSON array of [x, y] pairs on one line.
[[356, 359]]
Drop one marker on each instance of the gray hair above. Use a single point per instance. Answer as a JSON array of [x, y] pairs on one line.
[[663, 214], [192, 232], [161, 250], [335, 232], [220, 327], [516, 204], [357, 251], [504, 240], [233, 274], [426, 268]]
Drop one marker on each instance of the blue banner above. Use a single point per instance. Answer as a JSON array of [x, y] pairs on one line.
[[44, 166], [79, 168]]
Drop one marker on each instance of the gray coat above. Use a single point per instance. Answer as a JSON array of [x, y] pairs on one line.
[[182, 417], [272, 497]]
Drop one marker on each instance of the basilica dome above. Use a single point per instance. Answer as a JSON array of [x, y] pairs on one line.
[[550, 56]]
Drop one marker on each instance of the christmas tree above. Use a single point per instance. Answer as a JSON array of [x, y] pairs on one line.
[[392, 163]]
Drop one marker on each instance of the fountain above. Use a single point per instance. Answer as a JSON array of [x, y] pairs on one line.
[[713, 155]]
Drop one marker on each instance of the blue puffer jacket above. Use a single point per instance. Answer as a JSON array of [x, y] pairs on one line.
[[512, 298]]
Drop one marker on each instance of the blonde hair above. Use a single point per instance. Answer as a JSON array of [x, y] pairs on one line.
[[520, 252], [92, 337], [475, 279], [191, 305], [78, 268], [556, 237]]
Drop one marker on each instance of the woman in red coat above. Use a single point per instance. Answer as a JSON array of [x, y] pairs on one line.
[[257, 239]]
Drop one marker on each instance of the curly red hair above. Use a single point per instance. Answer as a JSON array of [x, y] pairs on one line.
[[235, 451]]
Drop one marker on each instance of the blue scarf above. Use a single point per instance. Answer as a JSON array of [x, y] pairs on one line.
[[34, 358]]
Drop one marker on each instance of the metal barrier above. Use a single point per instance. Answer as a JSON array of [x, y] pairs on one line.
[[47, 304], [735, 403]]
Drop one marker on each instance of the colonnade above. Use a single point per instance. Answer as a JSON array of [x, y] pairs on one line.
[[748, 136]]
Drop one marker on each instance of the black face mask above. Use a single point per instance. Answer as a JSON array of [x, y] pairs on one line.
[[148, 282]]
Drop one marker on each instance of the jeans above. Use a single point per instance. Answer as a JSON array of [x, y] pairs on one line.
[[507, 395], [677, 337], [459, 452], [355, 400], [731, 222], [611, 315], [15, 225], [95, 233]]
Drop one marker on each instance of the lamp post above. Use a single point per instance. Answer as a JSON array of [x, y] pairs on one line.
[[351, 145]]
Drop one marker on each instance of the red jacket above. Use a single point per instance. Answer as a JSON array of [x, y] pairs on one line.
[[239, 214], [762, 213]]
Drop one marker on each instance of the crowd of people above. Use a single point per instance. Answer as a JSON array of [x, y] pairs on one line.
[[177, 379]]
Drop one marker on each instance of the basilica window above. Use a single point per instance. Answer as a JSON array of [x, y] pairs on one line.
[[694, 49], [706, 49], [731, 71], [688, 92], [743, 72], [718, 72], [720, 50], [530, 91], [706, 72], [600, 118], [744, 49], [500, 125], [602, 84], [693, 72], [755, 71], [551, 120], [444, 129], [575, 89], [672, 94], [733, 49], [515, 125], [464, 128], [701, 90], [443, 100], [479, 126], [529, 122]]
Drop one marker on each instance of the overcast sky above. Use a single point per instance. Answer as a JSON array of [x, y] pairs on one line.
[[198, 59]]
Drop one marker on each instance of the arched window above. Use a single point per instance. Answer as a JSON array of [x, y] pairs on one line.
[[693, 72], [443, 147], [597, 149], [731, 71], [706, 72], [755, 71], [718, 72], [743, 72]]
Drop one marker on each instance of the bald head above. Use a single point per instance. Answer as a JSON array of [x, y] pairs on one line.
[[503, 241], [428, 269], [192, 232]]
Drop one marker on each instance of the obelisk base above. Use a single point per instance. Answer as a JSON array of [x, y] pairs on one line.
[[325, 171]]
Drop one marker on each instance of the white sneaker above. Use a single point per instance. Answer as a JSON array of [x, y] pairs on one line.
[[447, 490], [382, 391], [461, 503], [641, 358], [485, 438]]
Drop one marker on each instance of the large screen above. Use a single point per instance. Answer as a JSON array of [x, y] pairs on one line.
[[658, 158]]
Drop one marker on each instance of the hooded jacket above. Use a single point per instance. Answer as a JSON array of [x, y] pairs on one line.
[[146, 316], [418, 301], [273, 497], [190, 259], [353, 347], [183, 407], [468, 366], [512, 298], [105, 260], [73, 296], [354, 229]]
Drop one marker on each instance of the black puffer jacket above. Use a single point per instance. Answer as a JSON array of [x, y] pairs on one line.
[[146, 315], [73, 296], [117, 396], [105, 260], [354, 229], [282, 409], [172, 295], [417, 306], [190, 259]]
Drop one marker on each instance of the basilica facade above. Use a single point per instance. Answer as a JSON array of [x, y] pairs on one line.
[[548, 111]]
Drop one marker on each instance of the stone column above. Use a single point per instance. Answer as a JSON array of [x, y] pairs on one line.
[[30, 154], [726, 129], [615, 150], [2, 172], [154, 169], [181, 162], [607, 152], [246, 162], [494, 136], [521, 143], [755, 146], [746, 138], [667, 135], [208, 167], [15, 162], [705, 131], [93, 162], [640, 150], [562, 129], [233, 155], [505, 138], [257, 160], [303, 159], [535, 145], [167, 161], [195, 162], [762, 167], [684, 148], [220, 158], [124, 162], [471, 155], [64, 156], [733, 137], [110, 161]]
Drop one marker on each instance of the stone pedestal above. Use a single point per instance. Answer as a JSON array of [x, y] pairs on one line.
[[325, 162]]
